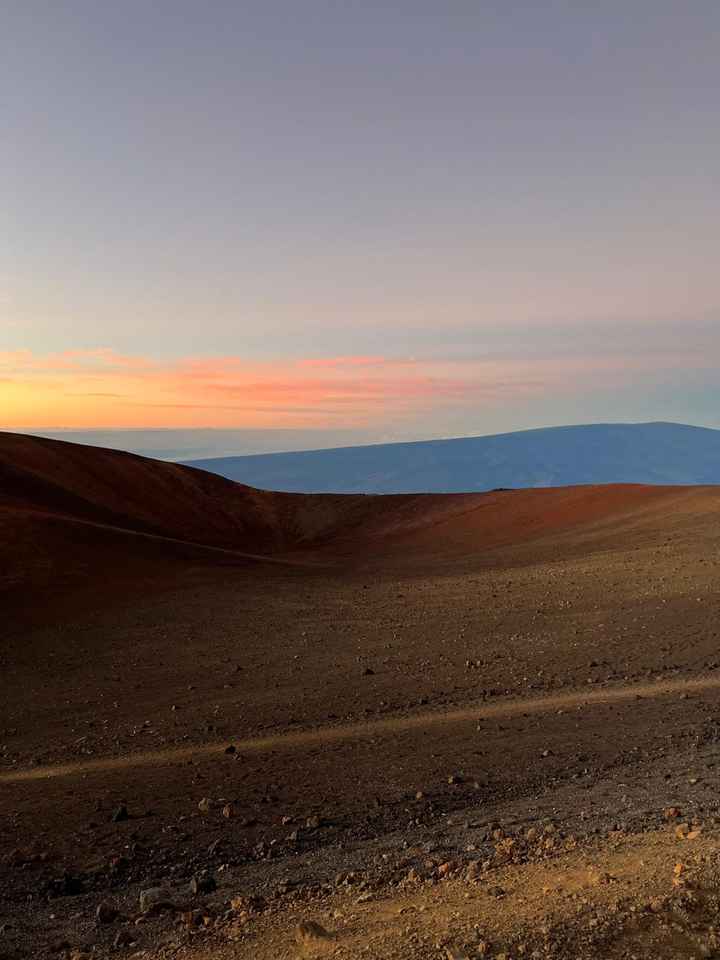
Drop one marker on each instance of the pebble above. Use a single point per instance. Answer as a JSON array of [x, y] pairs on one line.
[[155, 898], [308, 932], [203, 885], [120, 814], [105, 912], [123, 938]]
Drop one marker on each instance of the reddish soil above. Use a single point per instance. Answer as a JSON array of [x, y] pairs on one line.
[[517, 657]]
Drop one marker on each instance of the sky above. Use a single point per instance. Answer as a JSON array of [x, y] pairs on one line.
[[321, 222]]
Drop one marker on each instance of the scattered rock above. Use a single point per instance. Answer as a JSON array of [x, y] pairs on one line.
[[307, 932], [155, 900], [205, 805], [66, 886], [105, 912], [123, 938], [120, 814], [243, 904], [203, 885]]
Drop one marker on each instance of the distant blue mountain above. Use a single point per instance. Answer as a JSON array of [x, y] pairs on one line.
[[660, 453]]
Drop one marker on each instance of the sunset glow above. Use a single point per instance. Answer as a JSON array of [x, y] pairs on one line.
[[100, 388], [394, 223]]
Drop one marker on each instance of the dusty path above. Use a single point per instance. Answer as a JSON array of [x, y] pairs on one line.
[[335, 734]]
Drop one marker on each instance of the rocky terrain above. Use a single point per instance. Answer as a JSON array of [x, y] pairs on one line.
[[239, 724]]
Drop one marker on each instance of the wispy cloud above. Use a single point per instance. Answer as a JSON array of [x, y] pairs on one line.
[[99, 387]]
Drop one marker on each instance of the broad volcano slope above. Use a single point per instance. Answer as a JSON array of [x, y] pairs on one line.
[[663, 453], [461, 701]]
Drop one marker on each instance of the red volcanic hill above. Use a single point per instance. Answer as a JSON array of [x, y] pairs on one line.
[[71, 512]]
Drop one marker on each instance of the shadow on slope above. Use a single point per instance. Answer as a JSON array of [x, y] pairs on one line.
[[78, 515]]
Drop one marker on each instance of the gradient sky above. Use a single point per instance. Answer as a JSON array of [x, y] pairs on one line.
[[401, 219]]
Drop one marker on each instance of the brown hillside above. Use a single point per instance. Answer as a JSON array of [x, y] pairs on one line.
[[75, 513], [474, 705]]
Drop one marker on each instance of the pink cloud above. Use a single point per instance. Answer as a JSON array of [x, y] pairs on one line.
[[335, 362], [100, 387]]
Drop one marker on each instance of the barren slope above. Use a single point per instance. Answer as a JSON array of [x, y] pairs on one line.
[[418, 673], [73, 514]]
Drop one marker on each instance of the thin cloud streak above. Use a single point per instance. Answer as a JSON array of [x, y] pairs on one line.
[[228, 391]]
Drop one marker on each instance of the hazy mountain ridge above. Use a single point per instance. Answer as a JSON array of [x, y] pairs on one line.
[[658, 453]]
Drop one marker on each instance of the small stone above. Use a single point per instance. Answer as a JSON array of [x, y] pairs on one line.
[[120, 814], [105, 912], [67, 886], [248, 904], [123, 938], [672, 813], [205, 805], [307, 933], [156, 899], [228, 811], [203, 885]]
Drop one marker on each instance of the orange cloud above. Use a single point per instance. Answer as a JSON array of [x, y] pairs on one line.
[[93, 388]]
